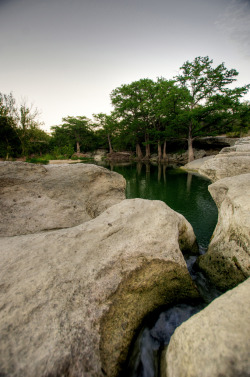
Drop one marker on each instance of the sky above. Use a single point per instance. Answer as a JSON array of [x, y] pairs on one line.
[[66, 56]]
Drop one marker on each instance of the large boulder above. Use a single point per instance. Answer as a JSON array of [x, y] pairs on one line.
[[227, 261], [36, 198], [214, 342], [231, 161], [72, 299]]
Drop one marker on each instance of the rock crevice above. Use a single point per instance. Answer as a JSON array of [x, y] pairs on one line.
[[72, 299]]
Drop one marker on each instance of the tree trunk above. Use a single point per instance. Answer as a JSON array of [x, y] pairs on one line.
[[190, 145], [138, 151], [164, 150], [78, 150], [159, 151], [147, 156], [110, 146]]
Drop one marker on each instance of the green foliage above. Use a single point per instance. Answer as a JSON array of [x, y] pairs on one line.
[[19, 129], [211, 107], [10, 145], [63, 152], [37, 160], [148, 109], [147, 113], [76, 132]]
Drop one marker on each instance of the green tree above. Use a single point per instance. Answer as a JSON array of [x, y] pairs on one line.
[[27, 126], [19, 128], [209, 98], [148, 110], [242, 122], [108, 124], [9, 142], [131, 104], [7, 105], [75, 131], [38, 141]]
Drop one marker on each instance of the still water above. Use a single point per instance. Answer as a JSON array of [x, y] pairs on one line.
[[187, 194], [183, 192]]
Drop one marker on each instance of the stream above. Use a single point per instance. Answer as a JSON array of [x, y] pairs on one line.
[[187, 194]]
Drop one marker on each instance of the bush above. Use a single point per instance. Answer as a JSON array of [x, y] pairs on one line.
[[61, 153], [37, 160]]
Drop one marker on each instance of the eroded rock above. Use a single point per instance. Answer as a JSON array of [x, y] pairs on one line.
[[214, 342], [227, 261], [231, 161], [72, 299], [35, 198]]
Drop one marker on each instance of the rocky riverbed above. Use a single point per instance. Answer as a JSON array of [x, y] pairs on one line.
[[74, 289], [72, 299]]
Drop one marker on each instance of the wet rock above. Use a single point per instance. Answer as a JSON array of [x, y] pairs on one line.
[[227, 261], [72, 299], [36, 198], [214, 342]]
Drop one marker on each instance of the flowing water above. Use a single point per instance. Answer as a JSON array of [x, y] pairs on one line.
[[187, 194]]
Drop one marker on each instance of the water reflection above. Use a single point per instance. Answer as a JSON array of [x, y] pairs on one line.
[[189, 181], [184, 192]]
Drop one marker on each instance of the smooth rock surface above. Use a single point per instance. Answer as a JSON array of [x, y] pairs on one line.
[[227, 261], [231, 161], [214, 342], [196, 164], [72, 299], [36, 198]]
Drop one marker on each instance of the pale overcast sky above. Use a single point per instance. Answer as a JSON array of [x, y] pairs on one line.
[[66, 56]]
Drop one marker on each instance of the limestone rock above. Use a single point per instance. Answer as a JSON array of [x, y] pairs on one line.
[[213, 142], [72, 299], [62, 162], [231, 161], [214, 342], [227, 261], [196, 164], [36, 198], [99, 154]]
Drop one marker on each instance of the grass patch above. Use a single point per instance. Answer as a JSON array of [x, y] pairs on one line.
[[37, 160]]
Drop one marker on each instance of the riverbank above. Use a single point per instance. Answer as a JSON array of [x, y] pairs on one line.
[[223, 343], [83, 290]]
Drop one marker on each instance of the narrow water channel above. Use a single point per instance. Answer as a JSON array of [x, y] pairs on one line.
[[187, 194]]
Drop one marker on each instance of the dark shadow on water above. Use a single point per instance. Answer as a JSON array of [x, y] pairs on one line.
[[144, 359]]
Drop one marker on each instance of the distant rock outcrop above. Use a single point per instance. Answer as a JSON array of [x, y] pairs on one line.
[[214, 342], [231, 161], [35, 198], [72, 299]]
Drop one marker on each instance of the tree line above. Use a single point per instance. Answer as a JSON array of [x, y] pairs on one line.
[[199, 101]]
